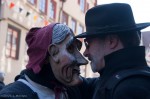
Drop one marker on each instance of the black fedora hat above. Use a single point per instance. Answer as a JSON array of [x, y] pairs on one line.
[[109, 19]]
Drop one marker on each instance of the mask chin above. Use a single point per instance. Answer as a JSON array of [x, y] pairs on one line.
[[76, 80]]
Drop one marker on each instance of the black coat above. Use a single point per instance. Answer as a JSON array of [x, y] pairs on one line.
[[1, 85], [19, 90], [137, 87]]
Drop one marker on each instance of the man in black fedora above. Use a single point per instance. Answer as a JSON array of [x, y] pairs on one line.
[[112, 46]]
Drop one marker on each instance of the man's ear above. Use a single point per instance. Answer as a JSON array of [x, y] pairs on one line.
[[113, 41], [53, 51]]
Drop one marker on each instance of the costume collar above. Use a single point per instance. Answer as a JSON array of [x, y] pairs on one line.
[[45, 77]]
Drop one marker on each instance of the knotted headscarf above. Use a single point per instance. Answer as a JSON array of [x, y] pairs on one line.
[[38, 40]]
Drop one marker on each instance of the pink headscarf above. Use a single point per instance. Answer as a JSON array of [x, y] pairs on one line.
[[38, 40]]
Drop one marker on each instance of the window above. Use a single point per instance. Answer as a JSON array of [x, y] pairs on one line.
[[95, 3], [32, 1], [26, 57], [43, 6], [73, 25], [0, 9], [82, 5], [12, 42], [80, 29], [64, 18], [87, 7], [52, 9]]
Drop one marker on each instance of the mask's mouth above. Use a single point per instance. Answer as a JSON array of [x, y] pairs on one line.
[[69, 71], [76, 70]]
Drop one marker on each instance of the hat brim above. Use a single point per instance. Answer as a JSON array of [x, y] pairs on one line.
[[138, 27]]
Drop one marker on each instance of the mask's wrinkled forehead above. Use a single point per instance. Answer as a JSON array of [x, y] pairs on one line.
[[60, 32]]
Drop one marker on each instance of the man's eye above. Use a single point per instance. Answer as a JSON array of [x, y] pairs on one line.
[[70, 49], [86, 44]]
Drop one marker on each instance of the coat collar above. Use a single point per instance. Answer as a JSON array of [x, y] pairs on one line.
[[127, 58]]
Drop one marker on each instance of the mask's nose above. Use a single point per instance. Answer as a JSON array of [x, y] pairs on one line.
[[80, 59]]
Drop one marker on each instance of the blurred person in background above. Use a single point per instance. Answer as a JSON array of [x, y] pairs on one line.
[[1, 80]]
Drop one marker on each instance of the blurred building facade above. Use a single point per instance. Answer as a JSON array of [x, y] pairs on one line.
[[18, 16], [145, 35]]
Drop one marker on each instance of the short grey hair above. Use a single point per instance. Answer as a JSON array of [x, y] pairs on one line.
[[60, 32]]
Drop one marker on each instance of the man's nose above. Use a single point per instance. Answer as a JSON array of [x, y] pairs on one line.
[[80, 59]]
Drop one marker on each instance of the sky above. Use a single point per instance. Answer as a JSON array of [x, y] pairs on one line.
[[141, 9]]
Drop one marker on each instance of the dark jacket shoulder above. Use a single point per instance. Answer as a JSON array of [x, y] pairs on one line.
[[1, 85], [133, 88], [89, 86], [84, 90], [17, 90]]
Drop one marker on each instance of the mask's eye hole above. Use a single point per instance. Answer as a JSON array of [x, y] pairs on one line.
[[70, 48], [78, 44]]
